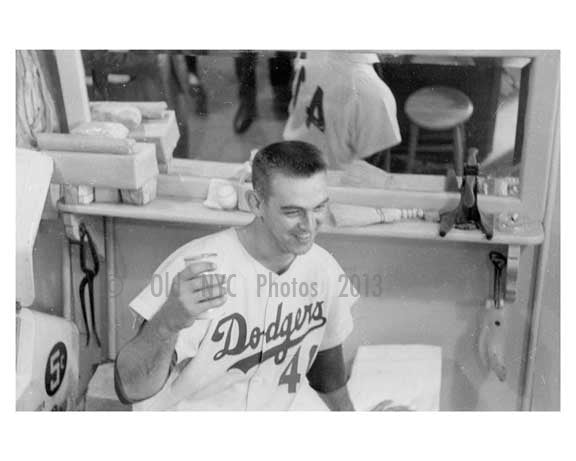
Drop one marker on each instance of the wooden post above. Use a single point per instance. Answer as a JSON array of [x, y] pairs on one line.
[[73, 83], [111, 284]]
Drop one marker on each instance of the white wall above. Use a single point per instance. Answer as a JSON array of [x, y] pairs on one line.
[[546, 390], [433, 294]]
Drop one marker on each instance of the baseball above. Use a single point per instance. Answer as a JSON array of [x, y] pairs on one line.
[[227, 197]]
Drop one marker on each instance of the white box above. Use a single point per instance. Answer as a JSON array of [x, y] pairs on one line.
[[105, 170], [77, 195], [141, 196], [162, 132], [106, 195]]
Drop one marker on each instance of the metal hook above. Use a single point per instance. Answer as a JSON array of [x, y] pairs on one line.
[[88, 281]]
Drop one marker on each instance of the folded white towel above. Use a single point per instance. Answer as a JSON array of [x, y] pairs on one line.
[[129, 116], [407, 375]]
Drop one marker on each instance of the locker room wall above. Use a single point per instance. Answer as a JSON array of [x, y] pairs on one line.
[[432, 293], [546, 394]]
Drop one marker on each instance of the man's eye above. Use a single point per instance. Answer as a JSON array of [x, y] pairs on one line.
[[291, 213]]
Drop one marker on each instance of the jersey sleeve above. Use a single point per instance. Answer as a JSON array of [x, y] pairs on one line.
[[341, 297], [376, 124]]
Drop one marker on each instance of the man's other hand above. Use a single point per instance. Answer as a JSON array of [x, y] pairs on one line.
[[388, 405]]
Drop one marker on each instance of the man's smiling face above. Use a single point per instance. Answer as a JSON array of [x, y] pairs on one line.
[[294, 210]]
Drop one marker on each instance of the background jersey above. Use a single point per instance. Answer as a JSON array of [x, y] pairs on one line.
[[256, 354], [340, 105]]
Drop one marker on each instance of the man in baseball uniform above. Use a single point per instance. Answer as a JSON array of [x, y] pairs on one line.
[[340, 104], [274, 317]]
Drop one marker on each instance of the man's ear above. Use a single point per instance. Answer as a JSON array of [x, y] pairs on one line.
[[254, 202]]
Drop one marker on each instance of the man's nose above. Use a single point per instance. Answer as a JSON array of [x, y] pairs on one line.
[[307, 222]]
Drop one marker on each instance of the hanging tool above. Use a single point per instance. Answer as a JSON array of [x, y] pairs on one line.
[[499, 262], [88, 281], [492, 337], [467, 215]]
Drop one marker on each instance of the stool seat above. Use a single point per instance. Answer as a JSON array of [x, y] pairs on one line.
[[438, 108]]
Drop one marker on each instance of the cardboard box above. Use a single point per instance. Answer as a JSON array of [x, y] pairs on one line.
[[141, 196], [105, 170], [106, 195], [163, 133], [77, 195]]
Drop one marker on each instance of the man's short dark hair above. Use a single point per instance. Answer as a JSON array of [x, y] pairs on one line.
[[292, 158]]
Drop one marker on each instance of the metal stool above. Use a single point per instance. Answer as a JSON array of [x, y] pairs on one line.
[[438, 108]]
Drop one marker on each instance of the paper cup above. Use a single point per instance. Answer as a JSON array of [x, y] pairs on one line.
[[205, 257]]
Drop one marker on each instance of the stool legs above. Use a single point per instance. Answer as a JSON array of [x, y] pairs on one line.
[[413, 143], [459, 147]]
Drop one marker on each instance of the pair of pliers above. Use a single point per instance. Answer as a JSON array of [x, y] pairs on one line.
[[88, 281]]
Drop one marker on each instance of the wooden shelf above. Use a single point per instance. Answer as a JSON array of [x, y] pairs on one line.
[[180, 210]]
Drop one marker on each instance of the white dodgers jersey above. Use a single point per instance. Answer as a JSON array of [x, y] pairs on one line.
[[255, 353], [340, 105]]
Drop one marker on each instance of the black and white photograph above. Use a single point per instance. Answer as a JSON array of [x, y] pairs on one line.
[[275, 230], [287, 230]]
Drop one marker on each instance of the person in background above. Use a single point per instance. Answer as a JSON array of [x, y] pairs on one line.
[[140, 75], [122, 75], [196, 88], [280, 73], [341, 105]]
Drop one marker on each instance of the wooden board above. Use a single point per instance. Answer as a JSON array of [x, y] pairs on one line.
[[74, 92], [181, 210]]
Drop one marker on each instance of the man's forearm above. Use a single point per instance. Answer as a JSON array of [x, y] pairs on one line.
[[338, 400], [143, 365]]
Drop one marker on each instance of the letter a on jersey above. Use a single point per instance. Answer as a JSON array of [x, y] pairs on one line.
[[315, 111]]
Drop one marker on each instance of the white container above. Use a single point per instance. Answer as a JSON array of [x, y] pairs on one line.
[[105, 170], [46, 362], [163, 133]]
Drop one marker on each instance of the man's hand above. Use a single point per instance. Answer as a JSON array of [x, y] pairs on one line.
[[388, 405], [192, 293]]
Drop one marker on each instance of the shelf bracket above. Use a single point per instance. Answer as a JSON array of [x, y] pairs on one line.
[[71, 226], [72, 222]]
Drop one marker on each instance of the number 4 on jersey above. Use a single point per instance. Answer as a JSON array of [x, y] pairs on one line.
[[315, 111], [290, 375]]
